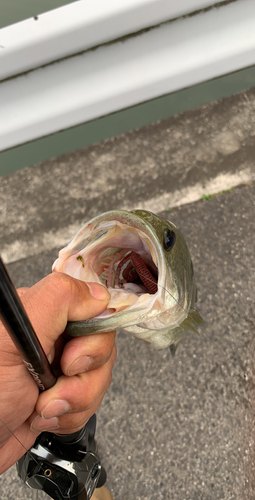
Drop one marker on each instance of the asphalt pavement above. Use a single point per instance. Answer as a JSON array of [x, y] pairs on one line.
[[169, 428]]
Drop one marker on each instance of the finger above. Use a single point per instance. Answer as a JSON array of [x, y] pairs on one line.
[[65, 424], [72, 423], [87, 353], [79, 391], [58, 298], [73, 399]]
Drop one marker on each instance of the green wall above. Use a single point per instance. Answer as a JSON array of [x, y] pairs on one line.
[[13, 11]]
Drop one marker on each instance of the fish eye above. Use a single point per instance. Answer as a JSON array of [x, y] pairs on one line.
[[169, 239]]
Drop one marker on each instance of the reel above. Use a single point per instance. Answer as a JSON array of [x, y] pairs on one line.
[[64, 466]]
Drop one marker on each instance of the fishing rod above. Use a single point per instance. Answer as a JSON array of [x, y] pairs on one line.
[[64, 466]]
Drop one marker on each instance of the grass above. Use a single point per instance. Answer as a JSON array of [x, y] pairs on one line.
[[209, 196], [206, 197]]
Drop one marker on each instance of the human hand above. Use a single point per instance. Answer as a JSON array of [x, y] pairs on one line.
[[86, 364]]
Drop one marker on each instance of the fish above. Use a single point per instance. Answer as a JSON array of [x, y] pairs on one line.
[[144, 262]]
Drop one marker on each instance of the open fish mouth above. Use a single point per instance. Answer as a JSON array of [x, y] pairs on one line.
[[128, 270], [122, 258]]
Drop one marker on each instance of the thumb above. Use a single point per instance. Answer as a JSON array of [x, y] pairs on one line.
[[59, 298]]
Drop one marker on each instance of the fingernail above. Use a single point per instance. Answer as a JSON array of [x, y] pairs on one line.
[[40, 424], [56, 408], [97, 291], [81, 365]]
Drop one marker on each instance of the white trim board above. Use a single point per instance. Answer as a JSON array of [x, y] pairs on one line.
[[116, 76], [79, 26]]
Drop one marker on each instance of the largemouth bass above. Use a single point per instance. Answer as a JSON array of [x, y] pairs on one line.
[[145, 263]]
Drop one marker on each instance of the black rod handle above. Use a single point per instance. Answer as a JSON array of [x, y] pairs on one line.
[[18, 325]]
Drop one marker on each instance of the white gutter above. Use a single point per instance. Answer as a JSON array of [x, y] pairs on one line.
[[122, 74], [82, 25]]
